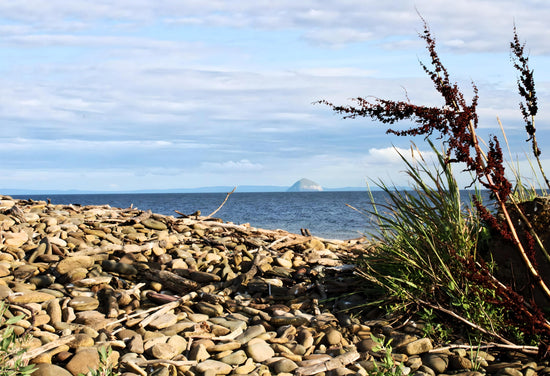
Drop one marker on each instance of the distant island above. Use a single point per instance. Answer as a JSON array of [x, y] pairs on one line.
[[305, 185]]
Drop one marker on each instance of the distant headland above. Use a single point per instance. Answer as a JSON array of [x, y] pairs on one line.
[[302, 185]]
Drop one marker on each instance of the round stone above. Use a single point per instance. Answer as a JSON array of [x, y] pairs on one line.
[[333, 337], [259, 350], [284, 365], [81, 340], [73, 262], [163, 351], [30, 297], [45, 369], [436, 362], [210, 365], [235, 359], [83, 361], [84, 303]]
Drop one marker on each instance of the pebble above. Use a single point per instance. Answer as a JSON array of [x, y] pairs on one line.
[[236, 358], [416, 347], [333, 336], [71, 263], [30, 297], [250, 333], [283, 366], [83, 360], [215, 366], [45, 369], [438, 363], [207, 297], [163, 351], [84, 303], [164, 321], [246, 368], [199, 353], [259, 350]]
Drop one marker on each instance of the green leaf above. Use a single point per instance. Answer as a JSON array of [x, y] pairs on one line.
[[14, 319]]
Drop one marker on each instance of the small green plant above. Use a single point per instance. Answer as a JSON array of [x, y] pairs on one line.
[[104, 369], [433, 328], [388, 366], [475, 358], [11, 351]]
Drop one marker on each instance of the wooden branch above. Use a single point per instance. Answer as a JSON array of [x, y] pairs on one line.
[[327, 365], [47, 347], [177, 363], [164, 308], [458, 317], [170, 280], [533, 350], [167, 306], [222, 204]]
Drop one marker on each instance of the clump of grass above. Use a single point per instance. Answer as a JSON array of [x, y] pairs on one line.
[[426, 234], [11, 349]]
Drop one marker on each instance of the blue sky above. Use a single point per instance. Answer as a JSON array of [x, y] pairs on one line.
[[139, 94]]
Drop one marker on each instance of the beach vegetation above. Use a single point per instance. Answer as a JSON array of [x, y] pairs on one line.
[[11, 346], [436, 255], [386, 366]]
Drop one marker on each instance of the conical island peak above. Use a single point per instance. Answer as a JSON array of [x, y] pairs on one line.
[[305, 185]]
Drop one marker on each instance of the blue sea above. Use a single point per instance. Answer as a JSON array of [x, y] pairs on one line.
[[324, 214]]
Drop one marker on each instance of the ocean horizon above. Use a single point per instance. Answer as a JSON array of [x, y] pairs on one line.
[[325, 214]]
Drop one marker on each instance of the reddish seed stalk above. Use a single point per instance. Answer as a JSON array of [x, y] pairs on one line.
[[456, 122]]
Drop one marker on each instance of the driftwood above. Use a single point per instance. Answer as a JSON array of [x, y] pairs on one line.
[[170, 280], [532, 350], [143, 216], [165, 307], [222, 204], [177, 363], [467, 322], [47, 347], [327, 365]]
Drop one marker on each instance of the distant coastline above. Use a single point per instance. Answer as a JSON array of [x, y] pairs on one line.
[[214, 189]]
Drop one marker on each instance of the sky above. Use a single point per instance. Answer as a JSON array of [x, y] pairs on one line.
[[166, 94]]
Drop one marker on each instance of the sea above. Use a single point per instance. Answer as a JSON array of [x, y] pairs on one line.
[[324, 214]]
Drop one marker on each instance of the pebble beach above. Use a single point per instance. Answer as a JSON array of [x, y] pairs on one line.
[[193, 295]]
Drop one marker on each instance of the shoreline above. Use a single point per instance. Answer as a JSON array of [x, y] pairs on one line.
[[194, 296]]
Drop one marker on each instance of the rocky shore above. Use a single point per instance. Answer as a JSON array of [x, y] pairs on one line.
[[196, 296]]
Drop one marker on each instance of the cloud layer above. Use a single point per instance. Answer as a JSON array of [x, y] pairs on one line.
[[167, 94]]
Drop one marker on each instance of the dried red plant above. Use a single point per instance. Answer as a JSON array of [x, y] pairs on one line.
[[526, 89], [455, 122]]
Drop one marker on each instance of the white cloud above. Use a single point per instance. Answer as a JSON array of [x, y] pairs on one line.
[[78, 146], [338, 37], [479, 25], [223, 86], [394, 156], [338, 72], [232, 166]]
